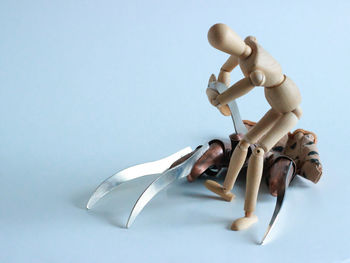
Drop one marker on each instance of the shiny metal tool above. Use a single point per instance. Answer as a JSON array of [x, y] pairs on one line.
[[134, 172], [280, 198], [161, 167], [166, 178]]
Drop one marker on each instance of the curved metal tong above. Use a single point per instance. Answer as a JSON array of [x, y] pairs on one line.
[[166, 177]]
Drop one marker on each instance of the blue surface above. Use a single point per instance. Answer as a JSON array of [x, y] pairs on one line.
[[90, 87]]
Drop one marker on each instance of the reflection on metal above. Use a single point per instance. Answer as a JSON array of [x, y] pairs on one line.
[[134, 172], [164, 180], [279, 202]]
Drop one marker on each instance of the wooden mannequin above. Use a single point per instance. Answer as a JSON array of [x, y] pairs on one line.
[[259, 69]]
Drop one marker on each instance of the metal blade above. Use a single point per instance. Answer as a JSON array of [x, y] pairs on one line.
[[236, 117], [134, 172], [279, 202], [164, 180]]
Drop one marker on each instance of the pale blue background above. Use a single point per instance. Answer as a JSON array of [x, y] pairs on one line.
[[90, 87]]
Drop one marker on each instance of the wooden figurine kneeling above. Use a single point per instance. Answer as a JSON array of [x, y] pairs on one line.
[[259, 69]]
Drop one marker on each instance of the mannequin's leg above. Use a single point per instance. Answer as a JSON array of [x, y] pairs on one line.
[[239, 155], [255, 168]]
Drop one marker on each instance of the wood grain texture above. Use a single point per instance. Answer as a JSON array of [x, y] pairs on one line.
[[236, 163], [235, 91], [283, 125], [216, 188], [259, 69], [285, 97], [225, 39], [261, 60], [244, 222], [254, 174]]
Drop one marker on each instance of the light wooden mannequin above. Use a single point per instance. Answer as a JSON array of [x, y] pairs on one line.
[[259, 69]]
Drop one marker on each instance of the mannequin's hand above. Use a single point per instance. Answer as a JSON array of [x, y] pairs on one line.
[[212, 95]]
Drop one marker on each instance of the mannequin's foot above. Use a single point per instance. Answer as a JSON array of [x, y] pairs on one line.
[[219, 190], [244, 223]]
